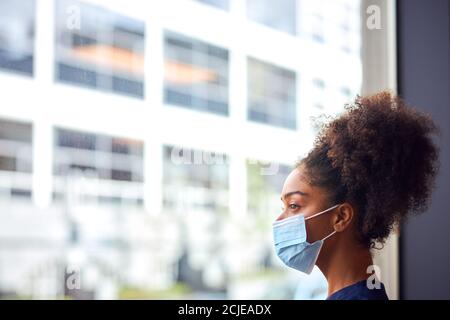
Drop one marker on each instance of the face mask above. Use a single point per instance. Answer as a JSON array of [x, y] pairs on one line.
[[290, 242]]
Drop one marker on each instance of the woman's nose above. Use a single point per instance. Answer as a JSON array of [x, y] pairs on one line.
[[281, 216]]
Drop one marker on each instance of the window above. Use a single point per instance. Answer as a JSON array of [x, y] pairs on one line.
[[271, 94], [106, 53], [196, 74], [264, 189], [313, 19], [264, 186], [345, 30], [348, 27], [194, 180], [346, 93], [15, 158], [17, 36], [280, 15], [317, 27], [222, 4], [112, 167], [318, 94]]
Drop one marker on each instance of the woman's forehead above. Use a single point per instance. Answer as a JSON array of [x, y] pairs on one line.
[[294, 181]]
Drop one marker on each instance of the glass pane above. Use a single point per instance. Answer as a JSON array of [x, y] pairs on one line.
[[107, 53], [17, 35], [81, 158], [196, 74], [271, 94], [192, 183], [89, 138], [15, 160], [222, 4], [279, 15], [264, 185]]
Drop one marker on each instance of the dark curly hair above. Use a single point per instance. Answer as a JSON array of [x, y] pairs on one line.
[[379, 155]]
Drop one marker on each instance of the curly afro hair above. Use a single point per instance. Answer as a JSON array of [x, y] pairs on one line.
[[379, 155]]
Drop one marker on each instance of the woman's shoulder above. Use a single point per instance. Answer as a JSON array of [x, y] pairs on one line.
[[360, 291]]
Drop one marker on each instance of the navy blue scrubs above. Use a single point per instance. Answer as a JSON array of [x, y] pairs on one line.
[[359, 291]]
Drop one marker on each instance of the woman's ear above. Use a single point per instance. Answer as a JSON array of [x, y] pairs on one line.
[[343, 217]]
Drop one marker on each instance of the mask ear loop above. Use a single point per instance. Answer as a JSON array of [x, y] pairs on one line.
[[329, 235], [319, 213]]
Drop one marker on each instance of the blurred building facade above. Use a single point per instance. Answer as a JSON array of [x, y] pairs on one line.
[[143, 145]]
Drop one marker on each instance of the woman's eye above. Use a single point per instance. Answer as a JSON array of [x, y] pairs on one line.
[[292, 206]]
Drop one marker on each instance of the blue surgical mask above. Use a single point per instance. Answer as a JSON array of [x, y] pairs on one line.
[[290, 242]]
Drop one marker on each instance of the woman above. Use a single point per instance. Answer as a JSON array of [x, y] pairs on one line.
[[369, 169]]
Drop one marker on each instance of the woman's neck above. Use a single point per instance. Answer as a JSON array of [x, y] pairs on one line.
[[345, 266]]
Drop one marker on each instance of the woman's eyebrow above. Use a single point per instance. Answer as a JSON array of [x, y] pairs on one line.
[[294, 192]]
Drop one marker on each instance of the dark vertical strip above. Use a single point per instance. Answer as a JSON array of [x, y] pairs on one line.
[[423, 43], [399, 30]]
